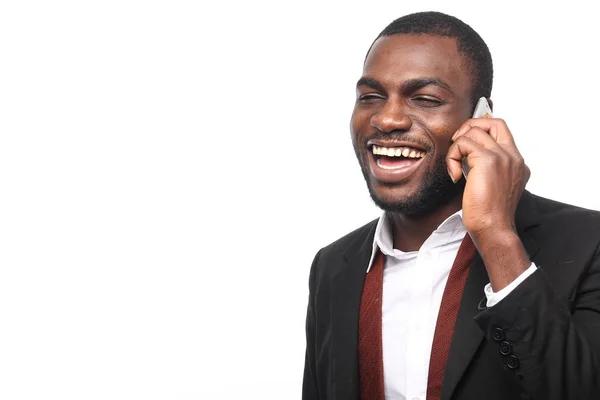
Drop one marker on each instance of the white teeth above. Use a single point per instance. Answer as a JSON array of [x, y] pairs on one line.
[[406, 152]]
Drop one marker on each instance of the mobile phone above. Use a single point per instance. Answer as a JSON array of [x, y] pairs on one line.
[[482, 110]]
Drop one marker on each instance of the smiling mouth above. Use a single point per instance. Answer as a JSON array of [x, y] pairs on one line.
[[396, 158]]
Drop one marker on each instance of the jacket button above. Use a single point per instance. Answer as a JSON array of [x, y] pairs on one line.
[[498, 334], [505, 348], [512, 362]]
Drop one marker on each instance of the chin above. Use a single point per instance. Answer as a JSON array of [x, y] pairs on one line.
[[388, 194], [435, 190], [414, 206]]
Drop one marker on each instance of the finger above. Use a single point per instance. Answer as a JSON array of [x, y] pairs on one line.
[[495, 127], [463, 147], [482, 138]]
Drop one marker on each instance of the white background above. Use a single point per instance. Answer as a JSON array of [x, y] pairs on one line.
[[168, 169]]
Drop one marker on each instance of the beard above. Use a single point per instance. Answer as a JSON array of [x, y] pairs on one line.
[[437, 190]]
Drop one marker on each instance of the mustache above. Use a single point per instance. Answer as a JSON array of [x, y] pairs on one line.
[[399, 137]]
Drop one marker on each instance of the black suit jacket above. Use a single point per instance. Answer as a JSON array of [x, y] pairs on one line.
[[548, 328]]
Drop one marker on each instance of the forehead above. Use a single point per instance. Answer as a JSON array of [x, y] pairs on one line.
[[397, 58]]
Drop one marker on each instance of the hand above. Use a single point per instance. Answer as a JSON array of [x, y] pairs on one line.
[[497, 177]]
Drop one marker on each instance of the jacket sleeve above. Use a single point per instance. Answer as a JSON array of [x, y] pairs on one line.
[[550, 346], [309, 385]]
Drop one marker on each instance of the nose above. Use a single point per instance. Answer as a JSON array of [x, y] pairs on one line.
[[391, 117]]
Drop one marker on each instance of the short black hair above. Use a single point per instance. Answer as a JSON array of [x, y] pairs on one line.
[[468, 42]]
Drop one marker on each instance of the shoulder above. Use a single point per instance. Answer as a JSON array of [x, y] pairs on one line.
[[350, 240], [556, 212], [561, 226], [359, 241]]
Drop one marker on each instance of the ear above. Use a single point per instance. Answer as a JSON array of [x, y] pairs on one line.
[[491, 103]]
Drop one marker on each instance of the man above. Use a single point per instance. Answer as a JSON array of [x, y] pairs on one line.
[[464, 288]]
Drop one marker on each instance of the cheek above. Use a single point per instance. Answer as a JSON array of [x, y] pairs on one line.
[[359, 122], [443, 133]]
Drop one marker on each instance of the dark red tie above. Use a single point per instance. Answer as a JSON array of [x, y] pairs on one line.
[[370, 353]]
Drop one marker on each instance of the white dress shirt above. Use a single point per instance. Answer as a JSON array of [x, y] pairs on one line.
[[413, 285]]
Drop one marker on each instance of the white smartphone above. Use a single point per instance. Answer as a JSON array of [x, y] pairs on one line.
[[482, 110]]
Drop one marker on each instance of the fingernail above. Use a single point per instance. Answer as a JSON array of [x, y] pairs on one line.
[[451, 177]]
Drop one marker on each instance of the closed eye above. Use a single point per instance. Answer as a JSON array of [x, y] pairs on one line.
[[427, 101], [369, 97]]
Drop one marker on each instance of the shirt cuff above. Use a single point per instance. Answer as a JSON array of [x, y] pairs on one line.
[[494, 298]]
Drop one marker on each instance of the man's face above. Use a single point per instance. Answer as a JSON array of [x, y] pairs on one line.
[[413, 95]]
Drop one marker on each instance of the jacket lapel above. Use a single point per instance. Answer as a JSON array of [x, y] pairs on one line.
[[467, 336], [346, 291]]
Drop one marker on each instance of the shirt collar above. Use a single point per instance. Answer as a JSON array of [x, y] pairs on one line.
[[383, 239]]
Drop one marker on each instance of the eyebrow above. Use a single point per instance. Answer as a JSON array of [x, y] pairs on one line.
[[370, 82], [410, 85]]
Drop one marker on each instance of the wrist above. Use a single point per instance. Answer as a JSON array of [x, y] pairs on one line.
[[494, 237], [503, 254]]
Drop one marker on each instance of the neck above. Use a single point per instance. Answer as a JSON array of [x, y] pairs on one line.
[[410, 233]]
